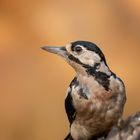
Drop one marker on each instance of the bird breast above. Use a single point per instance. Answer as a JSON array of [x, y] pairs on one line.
[[99, 103], [100, 110]]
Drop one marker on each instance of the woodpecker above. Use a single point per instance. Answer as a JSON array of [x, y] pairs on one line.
[[96, 96]]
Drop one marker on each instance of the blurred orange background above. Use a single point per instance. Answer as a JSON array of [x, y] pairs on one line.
[[34, 82]]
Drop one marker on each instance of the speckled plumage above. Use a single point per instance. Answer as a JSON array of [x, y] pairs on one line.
[[128, 129], [95, 114]]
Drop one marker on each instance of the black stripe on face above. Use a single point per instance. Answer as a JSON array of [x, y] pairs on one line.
[[101, 77], [71, 57]]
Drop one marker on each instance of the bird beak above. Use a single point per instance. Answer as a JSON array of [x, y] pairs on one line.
[[56, 50]]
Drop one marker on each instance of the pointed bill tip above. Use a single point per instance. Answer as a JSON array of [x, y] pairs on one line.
[[50, 49], [44, 48]]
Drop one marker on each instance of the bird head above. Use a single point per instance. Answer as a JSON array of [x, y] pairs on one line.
[[83, 56]]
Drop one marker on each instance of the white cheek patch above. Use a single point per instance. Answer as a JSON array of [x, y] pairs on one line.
[[89, 58]]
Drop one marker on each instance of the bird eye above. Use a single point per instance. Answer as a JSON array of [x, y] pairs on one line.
[[78, 49]]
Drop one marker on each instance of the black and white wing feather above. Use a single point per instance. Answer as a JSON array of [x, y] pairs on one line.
[[69, 107]]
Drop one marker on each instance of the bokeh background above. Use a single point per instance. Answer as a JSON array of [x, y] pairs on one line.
[[33, 82]]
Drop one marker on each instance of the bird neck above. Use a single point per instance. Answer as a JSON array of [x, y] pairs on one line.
[[97, 68], [100, 72]]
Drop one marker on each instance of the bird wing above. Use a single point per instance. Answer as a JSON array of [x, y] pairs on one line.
[[69, 107], [70, 110]]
